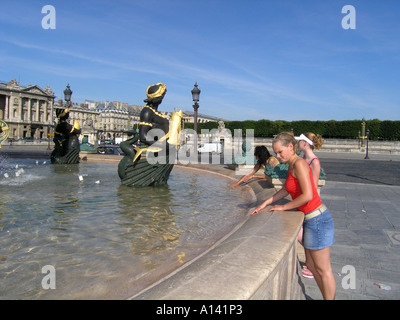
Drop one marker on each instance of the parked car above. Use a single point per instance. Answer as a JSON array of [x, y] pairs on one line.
[[107, 141], [210, 147], [111, 150]]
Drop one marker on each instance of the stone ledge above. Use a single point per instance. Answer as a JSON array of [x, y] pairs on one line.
[[256, 260]]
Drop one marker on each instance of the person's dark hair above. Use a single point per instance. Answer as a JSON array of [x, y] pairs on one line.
[[262, 153]]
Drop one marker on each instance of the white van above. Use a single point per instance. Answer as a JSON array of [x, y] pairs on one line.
[[210, 147]]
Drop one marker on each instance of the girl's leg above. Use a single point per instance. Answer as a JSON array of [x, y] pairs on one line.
[[306, 272], [311, 267], [300, 236], [318, 261]]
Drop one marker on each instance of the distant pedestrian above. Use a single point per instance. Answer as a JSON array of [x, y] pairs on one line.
[[307, 142], [318, 226]]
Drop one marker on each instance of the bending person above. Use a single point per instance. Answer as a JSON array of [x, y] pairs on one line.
[[263, 158]]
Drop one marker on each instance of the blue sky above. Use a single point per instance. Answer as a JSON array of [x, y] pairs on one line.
[[253, 59]]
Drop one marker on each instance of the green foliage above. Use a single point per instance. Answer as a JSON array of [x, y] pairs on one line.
[[390, 130], [332, 129]]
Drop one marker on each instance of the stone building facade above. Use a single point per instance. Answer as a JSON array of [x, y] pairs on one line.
[[113, 121], [28, 111], [188, 117]]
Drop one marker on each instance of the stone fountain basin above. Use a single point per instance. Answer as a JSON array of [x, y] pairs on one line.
[[256, 260]]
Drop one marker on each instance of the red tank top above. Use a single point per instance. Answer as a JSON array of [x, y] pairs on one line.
[[293, 187]]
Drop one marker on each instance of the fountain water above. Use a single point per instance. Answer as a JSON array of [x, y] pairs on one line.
[[104, 240]]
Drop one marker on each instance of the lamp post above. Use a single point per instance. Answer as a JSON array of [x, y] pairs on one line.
[[366, 155], [67, 95], [67, 98], [196, 97], [363, 133]]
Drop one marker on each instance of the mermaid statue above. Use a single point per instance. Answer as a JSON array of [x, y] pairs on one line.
[[66, 142], [160, 139]]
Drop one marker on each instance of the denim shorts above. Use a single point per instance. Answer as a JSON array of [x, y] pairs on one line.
[[318, 232]]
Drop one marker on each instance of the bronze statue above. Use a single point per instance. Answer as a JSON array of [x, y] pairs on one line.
[[66, 142], [160, 138]]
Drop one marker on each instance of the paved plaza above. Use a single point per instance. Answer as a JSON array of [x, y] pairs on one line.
[[367, 235]]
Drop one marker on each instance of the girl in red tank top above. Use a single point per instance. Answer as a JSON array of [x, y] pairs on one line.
[[300, 185], [293, 187]]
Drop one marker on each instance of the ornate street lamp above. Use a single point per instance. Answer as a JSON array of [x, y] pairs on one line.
[[363, 137], [196, 97], [366, 154], [196, 93], [67, 95]]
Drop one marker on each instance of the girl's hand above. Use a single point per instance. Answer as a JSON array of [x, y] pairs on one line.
[[235, 185], [256, 210]]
